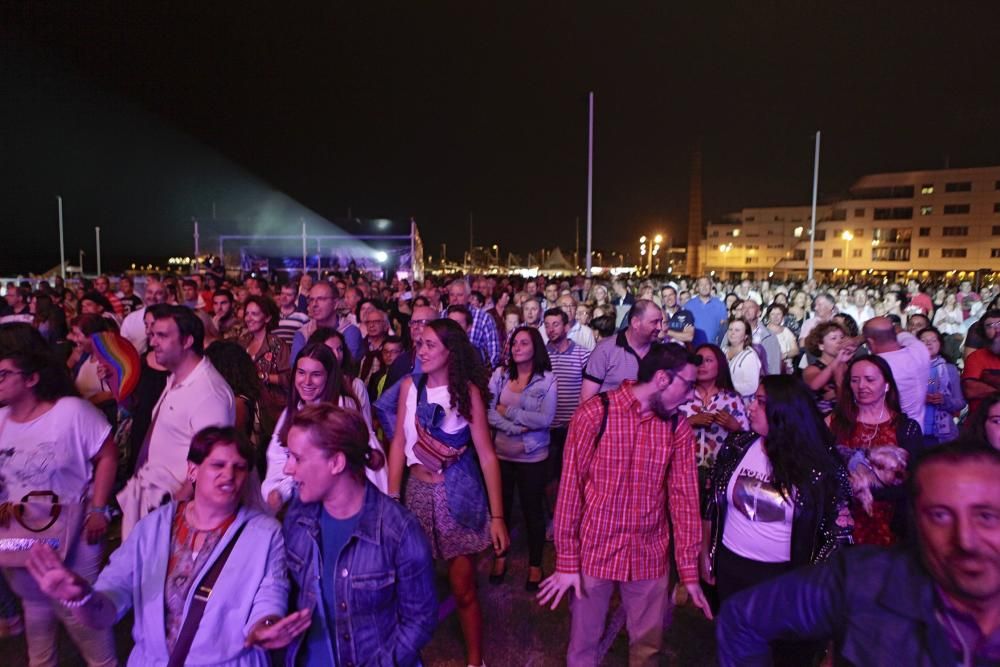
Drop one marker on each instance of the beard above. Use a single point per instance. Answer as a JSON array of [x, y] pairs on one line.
[[660, 408]]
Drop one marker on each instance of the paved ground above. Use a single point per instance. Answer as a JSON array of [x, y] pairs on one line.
[[518, 633]]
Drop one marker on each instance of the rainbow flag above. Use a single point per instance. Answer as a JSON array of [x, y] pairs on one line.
[[120, 357]]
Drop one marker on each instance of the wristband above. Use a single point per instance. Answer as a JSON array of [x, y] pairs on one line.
[[76, 604]]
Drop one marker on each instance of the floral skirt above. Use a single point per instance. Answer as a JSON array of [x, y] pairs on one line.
[[448, 538]]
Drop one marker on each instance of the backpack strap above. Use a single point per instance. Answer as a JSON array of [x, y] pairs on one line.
[[605, 403]]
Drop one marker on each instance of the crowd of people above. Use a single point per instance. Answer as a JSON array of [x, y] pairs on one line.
[[297, 455]]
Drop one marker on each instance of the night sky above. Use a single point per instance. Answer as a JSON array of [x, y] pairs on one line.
[[143, 115]]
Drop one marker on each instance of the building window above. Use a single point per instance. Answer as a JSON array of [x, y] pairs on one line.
[[996, 230], [955, 231], [963, 186], [996, 186], [924, 231], [820, 234], [927, 189], [926, 210], [799, 255], [837, 253], [996, 207], [836, 233], [715, 233], [995, 252], [956, 209], [817, 252], [894, 213], [856, 252], [749, 218], [859, 213], [839, 214], [750, 260], [923, 252], [953, 252]]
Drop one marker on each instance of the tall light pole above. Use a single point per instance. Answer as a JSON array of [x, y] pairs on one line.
[[62, 244], [97, 236], [848, 237], [812, 226], [590, 181], [496, 254]]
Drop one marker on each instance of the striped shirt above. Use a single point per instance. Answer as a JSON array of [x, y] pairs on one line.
[[289, 324], [611, 520], [568, 368]]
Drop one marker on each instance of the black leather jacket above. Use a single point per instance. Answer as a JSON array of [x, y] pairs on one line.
[[821, 522]]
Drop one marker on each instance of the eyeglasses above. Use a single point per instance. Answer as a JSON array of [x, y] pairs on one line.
[[4, 374], [419, 323], [992, 325]]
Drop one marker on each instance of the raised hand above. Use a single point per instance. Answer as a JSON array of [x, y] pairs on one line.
[[53, 578]]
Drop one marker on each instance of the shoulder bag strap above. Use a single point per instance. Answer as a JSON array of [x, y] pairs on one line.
[[199, 602]]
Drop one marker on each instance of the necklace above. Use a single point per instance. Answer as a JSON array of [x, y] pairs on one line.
[[863, 430]]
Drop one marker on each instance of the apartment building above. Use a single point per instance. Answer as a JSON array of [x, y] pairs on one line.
[[929, 223]]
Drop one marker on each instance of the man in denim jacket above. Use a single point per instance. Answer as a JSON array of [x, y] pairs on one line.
[[357, 558]]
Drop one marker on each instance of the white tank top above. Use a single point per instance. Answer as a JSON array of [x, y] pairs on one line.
[[453, 421]]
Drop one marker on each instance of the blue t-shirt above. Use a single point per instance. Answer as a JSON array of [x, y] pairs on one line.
[[334, 535], [707, 318]]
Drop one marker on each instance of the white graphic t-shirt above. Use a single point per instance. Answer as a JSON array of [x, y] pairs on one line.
[[759, 519], [52, 452]]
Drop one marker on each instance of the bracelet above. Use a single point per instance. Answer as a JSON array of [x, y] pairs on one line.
[[76, 604], [498, 516], [104, 511]]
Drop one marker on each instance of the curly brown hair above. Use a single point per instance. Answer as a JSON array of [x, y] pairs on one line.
[[818, 333], [465, 366]]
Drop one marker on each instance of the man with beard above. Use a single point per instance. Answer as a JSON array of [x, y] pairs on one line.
[[628, 462], [981, 375], [937, 603]]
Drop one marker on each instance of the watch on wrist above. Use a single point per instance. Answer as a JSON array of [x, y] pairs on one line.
[[104, 511]]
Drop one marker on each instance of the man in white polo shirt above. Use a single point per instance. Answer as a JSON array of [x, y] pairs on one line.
[[195, 397]]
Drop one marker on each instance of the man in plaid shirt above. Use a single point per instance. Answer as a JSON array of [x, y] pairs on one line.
[[483, 336], [611, 524]]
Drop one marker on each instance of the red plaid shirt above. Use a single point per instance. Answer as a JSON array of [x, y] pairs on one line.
[[611, 517]]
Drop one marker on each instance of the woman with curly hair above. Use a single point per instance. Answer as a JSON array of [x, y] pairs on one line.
[[441, 418], [828, 343], [270, 356]]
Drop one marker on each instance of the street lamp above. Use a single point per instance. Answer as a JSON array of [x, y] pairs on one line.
[[724, 249], [496, 254], [848, 237]]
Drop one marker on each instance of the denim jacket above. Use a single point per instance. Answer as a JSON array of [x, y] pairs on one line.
[[386, 602], [463, 481], [532, 418]]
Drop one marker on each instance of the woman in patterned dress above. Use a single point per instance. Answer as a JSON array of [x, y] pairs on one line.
[[867, 416], [715, 411]]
